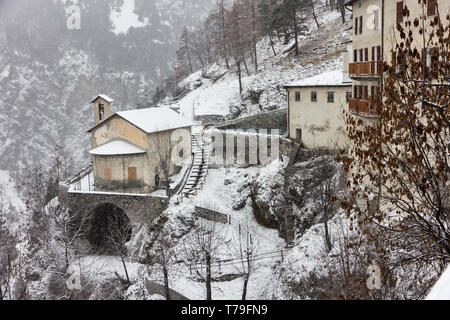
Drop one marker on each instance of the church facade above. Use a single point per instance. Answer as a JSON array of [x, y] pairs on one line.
[[136, 151]]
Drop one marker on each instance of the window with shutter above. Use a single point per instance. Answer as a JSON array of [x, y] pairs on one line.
[[107, 174], [431, 7], [132, 174], [366, 50], [361, 25], [400, 12], [356, 26], [355, 55]]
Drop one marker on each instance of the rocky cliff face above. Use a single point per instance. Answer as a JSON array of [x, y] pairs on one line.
[[306, 179]]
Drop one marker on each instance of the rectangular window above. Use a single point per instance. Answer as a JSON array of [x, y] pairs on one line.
[[376, 14], [314, 96], [298, 96], [132, 174], [349, 96], [330, 96], [356, 25], [365, 93], [399, 12], [355, 55], [107, 174], [431, 7], [366, 56]]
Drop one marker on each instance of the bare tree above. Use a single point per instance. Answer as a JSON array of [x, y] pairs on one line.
[[402, 159], [247, 249], [8, 253], [164, 146], [202, 249], [118, 235]]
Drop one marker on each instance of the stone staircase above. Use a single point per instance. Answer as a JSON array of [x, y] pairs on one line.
[[199, 170]]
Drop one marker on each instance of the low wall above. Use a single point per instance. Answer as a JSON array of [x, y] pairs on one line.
[[267, 120], [254, 144], [211, 215]]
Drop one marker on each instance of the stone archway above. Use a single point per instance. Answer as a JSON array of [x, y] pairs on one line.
[[109, 229]]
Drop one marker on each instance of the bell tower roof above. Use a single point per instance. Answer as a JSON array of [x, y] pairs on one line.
[[104, 97]]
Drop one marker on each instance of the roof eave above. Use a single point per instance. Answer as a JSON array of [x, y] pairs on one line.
[[319, 86]]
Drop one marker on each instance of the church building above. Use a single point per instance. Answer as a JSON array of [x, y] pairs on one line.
[[136, 151]]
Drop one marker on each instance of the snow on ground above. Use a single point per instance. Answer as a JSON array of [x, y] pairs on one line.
[[124, 18], [215, 194], [211, 99], [441, 290], [107, 265]]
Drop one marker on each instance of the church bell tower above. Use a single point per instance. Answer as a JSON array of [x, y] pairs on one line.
[[102, 108]]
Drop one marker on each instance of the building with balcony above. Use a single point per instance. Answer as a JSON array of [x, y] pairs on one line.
[[365, 65]]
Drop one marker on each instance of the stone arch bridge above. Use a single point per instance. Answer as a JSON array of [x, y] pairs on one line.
[[138, 208]]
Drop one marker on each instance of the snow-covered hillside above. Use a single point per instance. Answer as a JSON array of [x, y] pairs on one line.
[[217, 89]]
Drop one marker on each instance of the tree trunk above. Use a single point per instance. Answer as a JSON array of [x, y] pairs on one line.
[[315, 17], [272, 45], [188, 54], [294, 16], [125, 268], [246, 68], [254, 34], [238, 65], [244, 289], [208, 278], [166, 282], [342, 8]]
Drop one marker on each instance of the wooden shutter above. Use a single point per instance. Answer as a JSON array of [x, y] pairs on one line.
[[361, 25], [356, 26], [366, 54], [378, 53], [107, 174], [431, 7], [373, 54], [132, 174], [355, 55], [400, 12]]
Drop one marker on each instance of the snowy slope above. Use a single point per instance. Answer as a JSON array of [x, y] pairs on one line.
[[320, 51]]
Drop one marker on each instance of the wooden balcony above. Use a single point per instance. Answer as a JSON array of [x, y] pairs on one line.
[[362, 107], [368, 69]]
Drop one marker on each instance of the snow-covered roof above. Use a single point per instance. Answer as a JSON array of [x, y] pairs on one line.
[[104, 97], [155, 119], [116, 148], [326, 79]]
